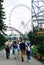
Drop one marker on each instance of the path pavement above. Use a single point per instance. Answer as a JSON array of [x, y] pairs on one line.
[[12, 61]]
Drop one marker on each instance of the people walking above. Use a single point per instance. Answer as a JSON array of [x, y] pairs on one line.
[[22, 48], [18, 48], [7, 49], [28, 51], [15, 48]]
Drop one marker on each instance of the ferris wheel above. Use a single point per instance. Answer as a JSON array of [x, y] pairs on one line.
[[20, 18]]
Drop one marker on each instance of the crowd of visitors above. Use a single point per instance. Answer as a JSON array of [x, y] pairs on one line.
[[21, 48]]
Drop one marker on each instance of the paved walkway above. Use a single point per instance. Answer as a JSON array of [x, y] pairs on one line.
[[12, 61]]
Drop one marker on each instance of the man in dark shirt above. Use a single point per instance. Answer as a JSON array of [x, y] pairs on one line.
[[22, 48]]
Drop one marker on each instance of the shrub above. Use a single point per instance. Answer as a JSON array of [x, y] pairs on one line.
[[2, 40]]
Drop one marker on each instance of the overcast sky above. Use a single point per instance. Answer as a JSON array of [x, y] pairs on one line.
[[19, 15]]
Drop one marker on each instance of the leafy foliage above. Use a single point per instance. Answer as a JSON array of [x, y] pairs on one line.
[[2, 23], [41, 46], [2, 17], [31, 37], [2, 40], [37, 40]]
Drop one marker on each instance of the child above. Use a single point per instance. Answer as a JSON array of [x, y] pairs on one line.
[[15, 48]]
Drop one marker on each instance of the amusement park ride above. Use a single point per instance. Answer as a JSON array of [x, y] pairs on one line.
[[37, 16]]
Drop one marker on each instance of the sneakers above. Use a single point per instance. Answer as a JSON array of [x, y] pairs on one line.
[[29, 61]]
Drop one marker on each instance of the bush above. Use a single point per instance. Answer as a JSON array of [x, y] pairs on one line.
[[41, 48], [2, 40], [40, 43], [34, 49], [38, 40]]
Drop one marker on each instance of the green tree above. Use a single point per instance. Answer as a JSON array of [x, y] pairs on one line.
[[2, 17], [41, 44], [2, 23], [38, 41], [31, 37], [3, 39]]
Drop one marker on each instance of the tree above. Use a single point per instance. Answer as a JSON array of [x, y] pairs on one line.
[[41, 45], [3, 39], [2, 24], [2, 17], [31, 37]]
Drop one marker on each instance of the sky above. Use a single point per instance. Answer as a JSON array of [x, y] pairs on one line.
[[18, 16]]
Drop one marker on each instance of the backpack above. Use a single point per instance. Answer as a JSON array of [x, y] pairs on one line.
[[28, 45]]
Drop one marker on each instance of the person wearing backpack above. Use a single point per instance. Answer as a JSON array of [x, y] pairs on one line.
[[22, 48], [28, 51]]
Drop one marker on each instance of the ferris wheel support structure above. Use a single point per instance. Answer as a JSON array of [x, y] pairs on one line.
[[38, 12]]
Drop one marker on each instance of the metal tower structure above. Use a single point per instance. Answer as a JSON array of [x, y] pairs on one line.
[[38, 12]]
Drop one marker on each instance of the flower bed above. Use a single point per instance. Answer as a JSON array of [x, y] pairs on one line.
[[38, 56]]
